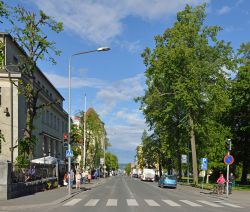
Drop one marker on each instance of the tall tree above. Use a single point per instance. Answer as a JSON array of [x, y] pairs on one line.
[[240, 113], [186, 75], [28, 30]]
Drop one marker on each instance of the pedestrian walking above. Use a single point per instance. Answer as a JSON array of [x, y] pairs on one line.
[[65, 179], [89, 177], [231, 182], [78, 180]]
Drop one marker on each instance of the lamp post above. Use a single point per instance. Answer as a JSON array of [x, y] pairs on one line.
[[69, 107]]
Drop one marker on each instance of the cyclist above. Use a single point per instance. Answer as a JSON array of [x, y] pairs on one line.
[[221, 183]]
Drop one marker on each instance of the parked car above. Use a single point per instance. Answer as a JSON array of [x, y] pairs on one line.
[[167, 181]]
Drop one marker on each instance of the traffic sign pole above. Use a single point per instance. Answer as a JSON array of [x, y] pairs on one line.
[[229, 162]]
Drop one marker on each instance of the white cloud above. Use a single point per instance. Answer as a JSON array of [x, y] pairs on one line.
[[224, 10], [100, 21], [60, 81], [124, 137], [132, 118], [123, 90]]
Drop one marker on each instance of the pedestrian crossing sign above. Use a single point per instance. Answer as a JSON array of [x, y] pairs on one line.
[[69, 153]]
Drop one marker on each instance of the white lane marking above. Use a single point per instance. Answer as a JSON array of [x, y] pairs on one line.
[[72, 202], [132, 202], [92, 202], [230, 205], [151, 202], [171, 203], [190, 203], [210, 203], [112, 202]]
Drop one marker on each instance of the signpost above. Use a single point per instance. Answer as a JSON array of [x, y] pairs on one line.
[[183, 158], [204, 162], [69, 153], [228, 159]]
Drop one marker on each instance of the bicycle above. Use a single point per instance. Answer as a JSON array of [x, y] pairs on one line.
[[218, 189]]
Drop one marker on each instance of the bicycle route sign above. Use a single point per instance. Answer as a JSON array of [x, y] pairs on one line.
[[228, 159]]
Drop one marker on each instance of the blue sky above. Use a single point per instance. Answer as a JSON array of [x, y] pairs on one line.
[[111, 80]]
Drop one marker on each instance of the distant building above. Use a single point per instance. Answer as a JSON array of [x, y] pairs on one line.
[[76, 120], [50, 123]]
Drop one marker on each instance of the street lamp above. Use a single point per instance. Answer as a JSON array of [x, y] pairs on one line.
[[101, 49]]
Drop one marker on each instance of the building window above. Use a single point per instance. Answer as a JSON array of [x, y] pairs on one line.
[[15, 60], [51, 120], [43, 116], [0, 96], [54, 122], [47, 117], [58, 124]]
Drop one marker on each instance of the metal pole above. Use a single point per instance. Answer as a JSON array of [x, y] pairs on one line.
[[69, 106], [228, 153], [84, 135], [104, 166], [69, 112]]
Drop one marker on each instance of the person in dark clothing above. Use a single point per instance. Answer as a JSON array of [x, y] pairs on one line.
[[231, 182]]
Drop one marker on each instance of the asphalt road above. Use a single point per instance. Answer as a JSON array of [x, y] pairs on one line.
[[125, 194]]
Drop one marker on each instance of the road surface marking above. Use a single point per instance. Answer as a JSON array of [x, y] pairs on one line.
[[92, 202], [171, 203], [190, 203], [210, 203], [132, 202], [231, 205], [112, 202], [151, 202], [72, 202]]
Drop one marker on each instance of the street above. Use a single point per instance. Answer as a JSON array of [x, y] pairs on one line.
[[124, 194]]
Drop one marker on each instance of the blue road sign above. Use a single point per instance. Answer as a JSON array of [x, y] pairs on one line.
[[69, 153], [228, 159], [204, 162]]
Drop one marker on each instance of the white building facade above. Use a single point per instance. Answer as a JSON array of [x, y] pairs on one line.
[[50, 123]]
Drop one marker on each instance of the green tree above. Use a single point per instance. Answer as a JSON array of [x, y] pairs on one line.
[[239, 115], [111, 162], [96, 138], [128, 168], [187, 83], [27, 28]]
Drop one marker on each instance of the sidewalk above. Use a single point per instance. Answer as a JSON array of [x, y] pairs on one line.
[[235, 197], [46, 198]]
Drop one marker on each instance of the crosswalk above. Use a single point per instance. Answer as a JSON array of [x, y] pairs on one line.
[[152, 203]]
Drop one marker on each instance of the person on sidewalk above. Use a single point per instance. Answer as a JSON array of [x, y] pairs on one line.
[[65, 179], [221, 183], [78, 180], [231, 182], [89, 176], [71, 176]]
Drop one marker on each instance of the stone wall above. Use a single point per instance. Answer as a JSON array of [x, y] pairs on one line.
[[28, 188], [10, 190], [5, 180]]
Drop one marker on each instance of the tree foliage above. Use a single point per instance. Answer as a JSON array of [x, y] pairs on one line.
[[239, 115], [187, 88], [111, 162], [28, 30]]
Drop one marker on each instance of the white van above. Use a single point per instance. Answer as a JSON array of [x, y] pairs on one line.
[[148, 175]]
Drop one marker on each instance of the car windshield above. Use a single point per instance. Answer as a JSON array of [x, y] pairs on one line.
[[170, 177]]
